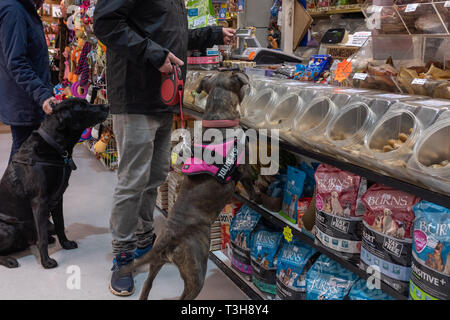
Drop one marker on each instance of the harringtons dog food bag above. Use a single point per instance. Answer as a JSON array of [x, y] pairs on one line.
[[339, 212], [328, 280], [387, 234], [430, 277], [241, 227], [265, 244], [293, 191], [293, 261], [360, 291]]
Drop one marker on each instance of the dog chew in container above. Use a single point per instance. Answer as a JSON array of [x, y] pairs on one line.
[[310, 125], [293, 262], [241, 228], [387, 235], [390, 144], [346, 131], [265, 244], [430, 277], [339, 212], [282, 115], [258, 106], [430, 162]]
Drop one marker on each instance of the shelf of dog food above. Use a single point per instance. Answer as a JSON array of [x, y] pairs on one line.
[[275, 219], [421, 191]]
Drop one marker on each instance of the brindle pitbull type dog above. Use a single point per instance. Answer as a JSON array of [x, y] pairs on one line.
[[33, 184], [185, 237]]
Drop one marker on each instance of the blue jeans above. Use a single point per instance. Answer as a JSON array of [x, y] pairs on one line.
[[19, 135]]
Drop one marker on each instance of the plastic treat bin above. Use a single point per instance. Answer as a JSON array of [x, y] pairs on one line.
[[340, 99], [310, 125], [431, 149], [282, 115], [401, 118], [256, 109], [346, 131]]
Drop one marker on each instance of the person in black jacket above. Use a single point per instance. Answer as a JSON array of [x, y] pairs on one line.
[[25, 86], [143, 39]]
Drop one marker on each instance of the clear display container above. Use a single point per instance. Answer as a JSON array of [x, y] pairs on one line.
[[389, 145], [430, 162], [283, 114], [421, 18], [346, 131], [309, 125], [258, 106]]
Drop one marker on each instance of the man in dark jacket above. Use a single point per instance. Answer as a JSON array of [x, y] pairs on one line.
[[143, 38], [25, 88]]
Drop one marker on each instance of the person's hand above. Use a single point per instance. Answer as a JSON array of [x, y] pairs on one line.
[[47, 105], [171, 59], [228, 35]]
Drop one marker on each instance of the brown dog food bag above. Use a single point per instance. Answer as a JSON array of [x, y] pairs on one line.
[[339, 212], [387, 234]]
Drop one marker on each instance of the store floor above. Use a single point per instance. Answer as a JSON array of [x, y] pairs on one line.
[[87, 204]]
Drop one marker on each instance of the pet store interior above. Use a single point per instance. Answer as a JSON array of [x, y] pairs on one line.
[[359, 93]]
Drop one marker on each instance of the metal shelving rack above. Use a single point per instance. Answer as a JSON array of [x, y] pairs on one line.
[[279, 221]]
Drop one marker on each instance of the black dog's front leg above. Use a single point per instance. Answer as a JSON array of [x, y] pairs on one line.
[[40, 215], [58, 219]]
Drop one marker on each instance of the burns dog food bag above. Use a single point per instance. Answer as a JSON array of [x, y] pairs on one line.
[[430, 277], [339, 212], [328, 280], [387, 234], [360, 291], [241, 227], [293, 261], [263, 259]]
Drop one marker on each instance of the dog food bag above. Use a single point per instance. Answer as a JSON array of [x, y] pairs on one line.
[[339, 212], [293, 261], [241, 227], [328, 280], [265, 245], [360, 291], [225, 216], [430, 276], [387, 234], [293, 191]]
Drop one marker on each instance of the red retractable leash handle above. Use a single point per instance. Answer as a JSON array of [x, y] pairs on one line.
[[172, 86]]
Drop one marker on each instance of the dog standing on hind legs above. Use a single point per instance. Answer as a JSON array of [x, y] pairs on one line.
[[185, 236]]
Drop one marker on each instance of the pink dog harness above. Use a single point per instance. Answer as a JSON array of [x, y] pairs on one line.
[[232, 153]]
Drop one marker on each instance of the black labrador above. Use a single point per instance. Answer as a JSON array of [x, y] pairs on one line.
[[185, 236], [33, 185]]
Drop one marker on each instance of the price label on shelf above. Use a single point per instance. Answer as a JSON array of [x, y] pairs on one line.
[[419, 81], [287, 232], [411, 7], [360, 76], [447, 4]]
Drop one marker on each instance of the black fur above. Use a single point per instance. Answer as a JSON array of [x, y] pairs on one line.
[[28, 191]]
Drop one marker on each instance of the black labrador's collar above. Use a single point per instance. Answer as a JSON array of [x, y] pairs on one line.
[[68, 161]]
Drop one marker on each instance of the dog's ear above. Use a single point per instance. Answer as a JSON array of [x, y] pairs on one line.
[[206, 84], [242, 80]]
